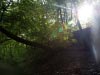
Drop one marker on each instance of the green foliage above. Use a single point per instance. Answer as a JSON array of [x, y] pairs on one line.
[[12, 52], [33, 20]]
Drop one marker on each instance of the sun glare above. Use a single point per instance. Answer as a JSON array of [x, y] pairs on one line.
[[85, 13]]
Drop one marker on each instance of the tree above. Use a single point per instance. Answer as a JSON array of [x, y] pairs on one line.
[[26, 27]]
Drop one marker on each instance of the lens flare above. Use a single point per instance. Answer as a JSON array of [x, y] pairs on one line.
[[95, 31], [95, 53], [85, 12]]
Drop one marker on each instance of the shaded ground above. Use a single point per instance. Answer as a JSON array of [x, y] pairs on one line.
[[73, 61]]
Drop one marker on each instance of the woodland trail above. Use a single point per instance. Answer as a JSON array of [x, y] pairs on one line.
[[73, 61]]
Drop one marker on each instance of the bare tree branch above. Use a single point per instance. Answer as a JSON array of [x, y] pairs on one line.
[[16, 38]]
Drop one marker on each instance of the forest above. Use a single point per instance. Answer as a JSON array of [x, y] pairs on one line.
[[49, 37]]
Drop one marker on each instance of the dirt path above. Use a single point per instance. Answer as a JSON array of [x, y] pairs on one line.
[[71, 62]]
